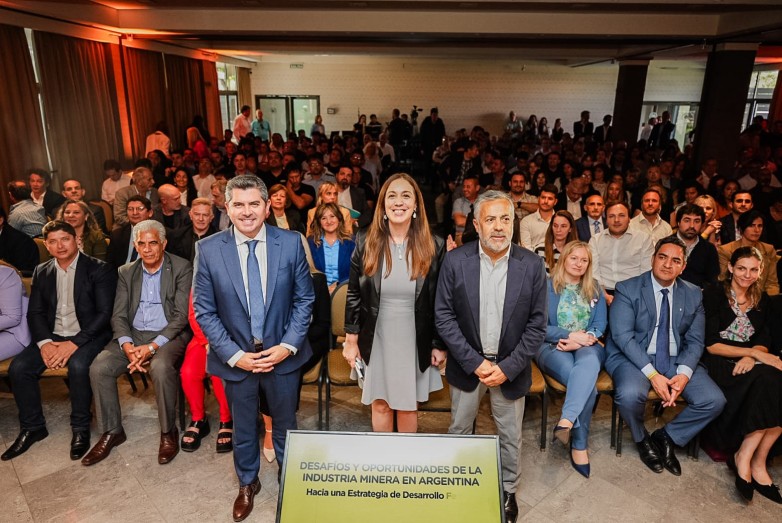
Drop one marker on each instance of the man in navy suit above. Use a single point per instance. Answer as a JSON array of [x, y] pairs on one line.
[[593, 222], [253, 298], [492, 329], [657, 338], [69, 314]]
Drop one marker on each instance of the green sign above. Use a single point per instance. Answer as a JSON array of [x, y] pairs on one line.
[[385, 477]]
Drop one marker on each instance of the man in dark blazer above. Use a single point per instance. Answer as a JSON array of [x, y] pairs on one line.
[[353, 198], [494, 350], [740, 202], [657, 338], [69, 312], [583, 127], [150, 331], [121, 249], [16, 247], [40, 180], [182, 241], [253, 299], [603, 133], [573, 197], [703, 262], [593, 222]]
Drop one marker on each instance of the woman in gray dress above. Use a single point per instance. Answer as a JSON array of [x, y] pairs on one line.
[[389, 315]]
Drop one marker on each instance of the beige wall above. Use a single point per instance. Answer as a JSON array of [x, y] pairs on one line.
[[467, 92]]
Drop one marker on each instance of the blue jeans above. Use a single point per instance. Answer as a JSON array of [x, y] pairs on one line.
[[578, 371]]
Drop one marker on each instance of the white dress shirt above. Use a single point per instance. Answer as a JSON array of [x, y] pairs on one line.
[[617, 259], [66, 324], [532, 230], [658, 230], [494, 277]]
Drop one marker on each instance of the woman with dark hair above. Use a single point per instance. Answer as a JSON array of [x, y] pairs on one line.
[[187, 189], [330, 244], [571, 353], [531, 129], [557, 131], [724, 196], [561, 231], [543, 127], [160, 165], [538, 181], [389, 314], [89, 236], [750, 225], [741, 360], [281, 214]]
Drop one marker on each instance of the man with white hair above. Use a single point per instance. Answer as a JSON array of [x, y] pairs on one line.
[[142, 185]]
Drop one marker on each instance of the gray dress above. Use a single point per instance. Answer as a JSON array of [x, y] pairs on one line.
[[392, 373]]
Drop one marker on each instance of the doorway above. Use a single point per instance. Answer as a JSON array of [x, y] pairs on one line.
[[289, 113]]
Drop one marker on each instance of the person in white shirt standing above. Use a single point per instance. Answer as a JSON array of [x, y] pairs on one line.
[[242, 124]]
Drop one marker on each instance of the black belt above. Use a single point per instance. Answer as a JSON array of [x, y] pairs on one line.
[[257, 347], [491, 358]]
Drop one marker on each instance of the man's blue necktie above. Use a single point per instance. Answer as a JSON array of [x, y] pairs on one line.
[[662, 359], [255, 291], [597, 227]]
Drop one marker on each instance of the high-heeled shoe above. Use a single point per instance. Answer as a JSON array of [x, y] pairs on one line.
[[581, 469], [768, 491], [269, 454], [561, 434], [743, 487]]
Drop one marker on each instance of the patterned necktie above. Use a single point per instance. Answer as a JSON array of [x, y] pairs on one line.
[[255, 292], [662, 358], [597, 227]]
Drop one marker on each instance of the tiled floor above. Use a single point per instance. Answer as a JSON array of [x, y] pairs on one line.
[[45, 485]]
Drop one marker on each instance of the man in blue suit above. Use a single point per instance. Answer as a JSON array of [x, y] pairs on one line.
[[490, 310], [253, 299], [593, 222], [657, 338]]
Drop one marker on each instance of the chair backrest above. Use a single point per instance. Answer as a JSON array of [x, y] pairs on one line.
[[43, 253], [108, 212], [338, 301]]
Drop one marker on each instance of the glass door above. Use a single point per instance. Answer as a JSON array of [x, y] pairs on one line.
[[289, 113], [275, 111], [305, 109]]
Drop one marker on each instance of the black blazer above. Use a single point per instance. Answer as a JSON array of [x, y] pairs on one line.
[[181, 242], [584, 227], [363, 304], [602, 134], [359, 200], [216, 220], [18, 249], [93, 297], [52, 201], [118, 246], [294, 219], [562, 200], [703, 264]]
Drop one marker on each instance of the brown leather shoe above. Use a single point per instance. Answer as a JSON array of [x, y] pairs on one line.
[[103, 447], [169, 446], [244, 501]]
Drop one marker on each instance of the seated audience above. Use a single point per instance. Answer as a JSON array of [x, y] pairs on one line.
[[327, 193], [649, 347], [24, 215], [353, 198], [571, 353], [711, 225], [114, 181], [462, 207], [703, 265], [74, 192], [204, 178], [181, 242], [740, 358], [593, 222], [750, 227], [16, 248], [142, 186], [619, 253], [121, 248], [532, 229], [330, 244], [14, 330], [89, 236], [301, 196], [170, 212], [561, 231], [193, 373], [69, 313], [741, 202], [649, 219], [186, 186], [221, 221], [39, 181], [281, 214], [150, 333]]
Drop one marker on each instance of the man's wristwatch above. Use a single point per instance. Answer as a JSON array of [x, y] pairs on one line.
[[152, 349]]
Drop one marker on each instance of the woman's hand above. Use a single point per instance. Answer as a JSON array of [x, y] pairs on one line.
[[769, 359], [568, 345], [350, 349], [582, 338], [438, 357], [744, 365]]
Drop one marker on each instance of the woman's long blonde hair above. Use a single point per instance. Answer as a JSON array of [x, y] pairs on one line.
[[590, 289], [420, 244], [90, 224]]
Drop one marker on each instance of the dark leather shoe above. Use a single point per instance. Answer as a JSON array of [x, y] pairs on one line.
[[24, 441], [169, 446], [768, 491], [650, 455], [244, 501], [666, 446], [511, 508], [80, 444], [103, 447]]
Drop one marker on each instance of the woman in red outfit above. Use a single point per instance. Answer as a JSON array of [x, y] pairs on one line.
[[193, 373]]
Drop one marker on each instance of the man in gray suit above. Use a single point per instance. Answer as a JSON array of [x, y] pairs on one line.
[[151, 332], [141, 185]]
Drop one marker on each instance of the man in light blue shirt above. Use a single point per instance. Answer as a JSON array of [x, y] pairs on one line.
[[260, 127]]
